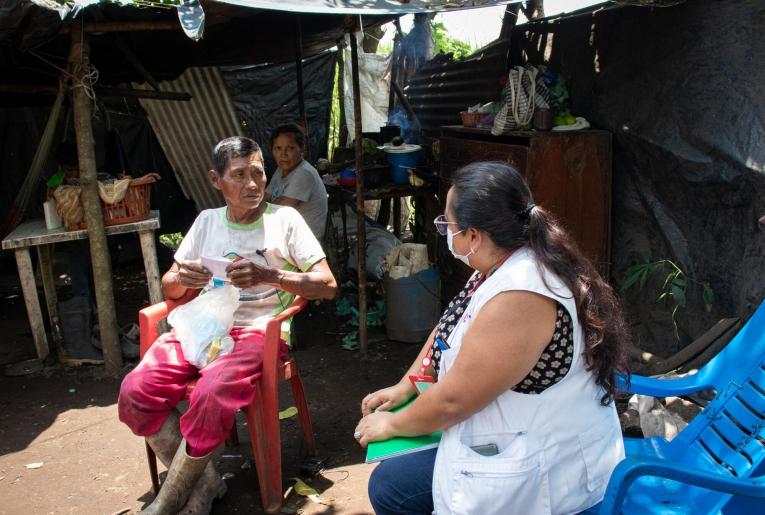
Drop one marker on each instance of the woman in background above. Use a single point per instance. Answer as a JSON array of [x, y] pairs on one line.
[[296, 183]]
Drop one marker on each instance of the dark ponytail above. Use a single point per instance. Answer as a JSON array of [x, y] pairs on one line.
[[494, 198], [599, 310]]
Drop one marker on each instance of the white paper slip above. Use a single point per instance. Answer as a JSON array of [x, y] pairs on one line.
[[216, 266]]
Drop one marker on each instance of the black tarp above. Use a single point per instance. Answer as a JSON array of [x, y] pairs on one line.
[[32, 41], [681, 89], [266, 96]]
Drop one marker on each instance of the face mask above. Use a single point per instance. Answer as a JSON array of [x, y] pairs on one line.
[[450, 243]]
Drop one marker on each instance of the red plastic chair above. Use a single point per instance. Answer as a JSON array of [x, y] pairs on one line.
[[263, 413]]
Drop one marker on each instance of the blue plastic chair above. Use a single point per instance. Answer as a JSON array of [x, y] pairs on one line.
[[717, 463]]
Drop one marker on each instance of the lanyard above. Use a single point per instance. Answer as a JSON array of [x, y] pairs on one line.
[[442, 345]]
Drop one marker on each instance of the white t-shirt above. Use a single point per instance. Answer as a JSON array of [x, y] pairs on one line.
[[280, 238], [305, 185]]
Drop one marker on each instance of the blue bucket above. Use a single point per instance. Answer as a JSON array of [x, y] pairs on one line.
[[401, 158]]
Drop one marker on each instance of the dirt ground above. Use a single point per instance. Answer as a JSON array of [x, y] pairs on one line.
[[63, 451]]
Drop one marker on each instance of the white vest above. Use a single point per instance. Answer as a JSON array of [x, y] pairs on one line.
[[557, 449]]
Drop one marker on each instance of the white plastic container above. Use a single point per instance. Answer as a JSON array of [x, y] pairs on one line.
[[52, 220]]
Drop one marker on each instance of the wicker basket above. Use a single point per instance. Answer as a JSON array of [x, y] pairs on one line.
[[134, 207], [470, 119]]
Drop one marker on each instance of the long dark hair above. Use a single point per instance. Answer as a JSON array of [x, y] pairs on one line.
[[494, 198]]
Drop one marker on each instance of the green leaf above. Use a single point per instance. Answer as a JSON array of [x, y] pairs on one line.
[[709, 297], [668, 281], [680, 280], [287, 413], [634, 269], [675, 329], [631, 279], [644, 276], [678, 293]]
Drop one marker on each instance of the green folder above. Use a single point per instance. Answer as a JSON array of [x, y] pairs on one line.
[[401, 445]]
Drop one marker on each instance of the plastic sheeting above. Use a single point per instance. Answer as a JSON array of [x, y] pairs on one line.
[[318, 6], [366, 6], [266, 96], [15, 16], [681, 90], [374, 86], [33, 37]]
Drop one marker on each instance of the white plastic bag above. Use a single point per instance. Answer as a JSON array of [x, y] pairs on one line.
[[407, 259], [202, 325]]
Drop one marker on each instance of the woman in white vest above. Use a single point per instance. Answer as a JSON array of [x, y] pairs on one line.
[[524, 360]]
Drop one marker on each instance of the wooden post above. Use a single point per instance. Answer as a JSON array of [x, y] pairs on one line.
[[29, 290], [509, 21], [151, 266], [153, 277], [49, 284], [41, 89], [86, 152], [361, 232], [299, 73], [121, 26], [534, 9]]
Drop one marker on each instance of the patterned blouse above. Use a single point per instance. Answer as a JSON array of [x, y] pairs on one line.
[[553, 364]]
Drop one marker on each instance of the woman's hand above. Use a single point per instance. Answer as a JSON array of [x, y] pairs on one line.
[[387, 398], [246, 274], [374, 428], [191, 274]]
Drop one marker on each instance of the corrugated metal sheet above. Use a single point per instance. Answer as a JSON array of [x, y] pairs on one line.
[[188, 131], [441, 89]]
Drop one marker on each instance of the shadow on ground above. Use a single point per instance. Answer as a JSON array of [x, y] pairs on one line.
[[62, 449]]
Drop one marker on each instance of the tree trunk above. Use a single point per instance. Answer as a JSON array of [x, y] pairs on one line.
[[534, 9], [99, 250], [509, 21]]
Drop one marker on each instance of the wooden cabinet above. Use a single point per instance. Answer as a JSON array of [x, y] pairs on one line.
[[569, 174]]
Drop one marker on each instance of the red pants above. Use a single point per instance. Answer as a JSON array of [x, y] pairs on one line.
[[159, 382]]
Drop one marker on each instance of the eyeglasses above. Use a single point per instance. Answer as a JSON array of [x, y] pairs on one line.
[[441, 224]]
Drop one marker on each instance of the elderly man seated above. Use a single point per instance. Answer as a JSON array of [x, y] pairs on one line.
[[274, 256]]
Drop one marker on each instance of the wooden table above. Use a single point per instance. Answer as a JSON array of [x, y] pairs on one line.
[[34, 234]]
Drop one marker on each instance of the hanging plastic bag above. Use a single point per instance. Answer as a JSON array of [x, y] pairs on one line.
[[203, 325]]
